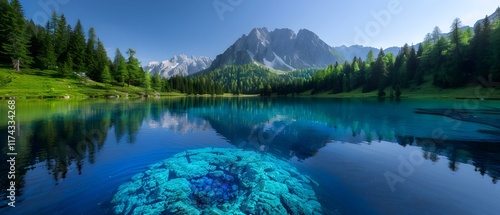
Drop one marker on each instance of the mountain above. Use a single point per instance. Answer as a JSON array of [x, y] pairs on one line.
[[355, 50], [362, 51], [280, 49], [178, 65], [493, 17]]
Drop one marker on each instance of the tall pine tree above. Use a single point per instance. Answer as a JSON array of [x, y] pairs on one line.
[[483, 49], [16, 45], [61, 38], [47, 55], [101, 64], [455, 75], [419, 75], [91, 56], [120, 68], [4, 21], [77, 48], [133, 69]]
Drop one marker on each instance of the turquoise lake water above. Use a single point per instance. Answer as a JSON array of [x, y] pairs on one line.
[[368, 156]]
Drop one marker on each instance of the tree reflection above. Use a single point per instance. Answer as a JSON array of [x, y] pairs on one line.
[[287, 128], [61, 140], [482, 155]]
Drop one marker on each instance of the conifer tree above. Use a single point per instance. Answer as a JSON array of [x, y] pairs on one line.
[[370, 58], [146, 81], [106, 75], [483, 49], [156, 82], [411, 67], [47, 55], [419, 75], [77, 48], [4, 20], [133, 69], [66, 69], [61, 37], [101, 63], [120, 67], [91, 56], [380, 73], [16, 45]]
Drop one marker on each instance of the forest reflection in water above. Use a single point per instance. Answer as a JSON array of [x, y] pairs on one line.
[[56, 135]]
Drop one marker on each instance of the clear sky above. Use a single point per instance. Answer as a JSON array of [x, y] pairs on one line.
[[159, 29]]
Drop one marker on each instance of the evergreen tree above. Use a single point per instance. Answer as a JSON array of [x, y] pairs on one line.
[[438, 61], [411, 67], [370, 58], [4, 26], [106, 75], [16, 45], [52, 23], [62, 37], [483, 49], [455, 76], [47, 55], [120, 67], [402, 78], [146, 81], [419, 75], [101, 63], [91, 56], [66, 69], [133, 69], [77, 48], [35, 32], [436, 34], [156, 82], [380, 73]]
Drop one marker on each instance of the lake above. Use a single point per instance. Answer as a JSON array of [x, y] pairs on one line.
[[367, 156]]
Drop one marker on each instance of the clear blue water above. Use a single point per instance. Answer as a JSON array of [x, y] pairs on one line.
[[369, 157]]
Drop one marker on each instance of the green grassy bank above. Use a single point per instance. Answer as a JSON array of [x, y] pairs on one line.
[[47, 84]]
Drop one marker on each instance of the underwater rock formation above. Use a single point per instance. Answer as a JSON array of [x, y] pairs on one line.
[[218, 181]]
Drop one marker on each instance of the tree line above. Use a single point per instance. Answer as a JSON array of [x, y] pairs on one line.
[[462, 57]]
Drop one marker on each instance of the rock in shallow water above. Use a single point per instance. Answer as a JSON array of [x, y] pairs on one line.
[[218, 181]]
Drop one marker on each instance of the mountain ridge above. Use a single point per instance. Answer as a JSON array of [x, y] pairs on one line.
[[280, 49], [178, 65]]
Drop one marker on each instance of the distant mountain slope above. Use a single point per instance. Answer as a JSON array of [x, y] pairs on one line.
[[178, 65], [280, 49], [362, 51], [493, 17]]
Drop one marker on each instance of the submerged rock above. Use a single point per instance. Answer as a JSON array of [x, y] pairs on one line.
[[218, 181]]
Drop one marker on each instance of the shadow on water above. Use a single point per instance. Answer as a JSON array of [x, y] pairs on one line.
[[55, 139]]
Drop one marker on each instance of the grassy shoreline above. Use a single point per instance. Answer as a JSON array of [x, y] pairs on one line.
[[36, 84]]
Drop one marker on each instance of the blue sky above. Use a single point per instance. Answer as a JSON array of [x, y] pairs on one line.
[[159, 29]]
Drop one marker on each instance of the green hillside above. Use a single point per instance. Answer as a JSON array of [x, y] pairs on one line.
[[47, 84]]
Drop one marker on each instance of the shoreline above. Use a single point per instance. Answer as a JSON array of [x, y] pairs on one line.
[[40, 85], [179, 95]]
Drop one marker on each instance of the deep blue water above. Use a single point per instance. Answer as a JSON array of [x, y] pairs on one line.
[[368, 156]]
